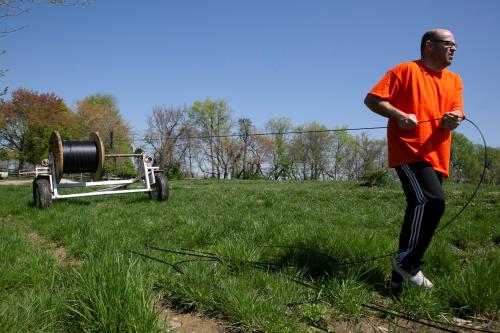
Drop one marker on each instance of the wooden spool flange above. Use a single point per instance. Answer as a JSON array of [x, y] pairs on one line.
[[97, 175], [56, 150]]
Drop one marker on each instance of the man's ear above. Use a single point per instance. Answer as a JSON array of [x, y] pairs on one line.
[[428, 44]]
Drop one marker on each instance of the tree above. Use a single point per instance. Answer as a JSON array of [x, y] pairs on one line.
[[99, 113], [338, 152], [212, 121], [249, 152], [344, 156], [245, 129], [165, 128], [465, 161], [281, 161], [309, 148], [492, 175], [27, 120], [373, 153], [318, 142], [261, 152]]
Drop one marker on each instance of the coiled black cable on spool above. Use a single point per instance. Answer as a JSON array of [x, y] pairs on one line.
[[77, 156], [80, 156]]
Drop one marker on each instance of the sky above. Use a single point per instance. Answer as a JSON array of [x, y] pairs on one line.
[[304, 60]]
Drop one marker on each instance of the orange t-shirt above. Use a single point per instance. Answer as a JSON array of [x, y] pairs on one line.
[[415, 89]]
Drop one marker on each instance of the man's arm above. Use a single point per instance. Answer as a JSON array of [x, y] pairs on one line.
[[386, 109]]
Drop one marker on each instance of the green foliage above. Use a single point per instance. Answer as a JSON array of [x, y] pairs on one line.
[[32, 287], [309, 150], [113, 296], [466, 159], [122, 169], [248, 252], [282, 162], [27, 121], [348, 296], [104, 100], [473, 290], [492, 175], [378, 177], [314, 314], [4, 152], [173, 170], [212, 118], [99, 113], [420, 303]]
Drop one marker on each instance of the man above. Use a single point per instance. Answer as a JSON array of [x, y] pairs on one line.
[[423, 102]]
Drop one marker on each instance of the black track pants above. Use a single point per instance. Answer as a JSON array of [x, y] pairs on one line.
[[422, 186]]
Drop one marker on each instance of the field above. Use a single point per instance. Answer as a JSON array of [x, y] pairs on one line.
[[255, 255]]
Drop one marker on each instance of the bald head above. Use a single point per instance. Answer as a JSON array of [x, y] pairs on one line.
[[435, 34], [437, 49]]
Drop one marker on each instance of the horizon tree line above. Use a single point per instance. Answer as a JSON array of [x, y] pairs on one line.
[[205, 141]]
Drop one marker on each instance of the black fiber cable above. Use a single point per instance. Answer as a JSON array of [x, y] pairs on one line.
[[376, 307], [236, 135], [481, 179], [448, 327], [80, 156], [485, 165]]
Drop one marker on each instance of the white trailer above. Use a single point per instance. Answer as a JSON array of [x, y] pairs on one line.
[[47, 185]]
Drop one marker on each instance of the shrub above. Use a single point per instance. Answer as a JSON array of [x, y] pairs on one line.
[[379, 177]]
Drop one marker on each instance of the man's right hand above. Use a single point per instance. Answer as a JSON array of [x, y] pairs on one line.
[[386, 109]]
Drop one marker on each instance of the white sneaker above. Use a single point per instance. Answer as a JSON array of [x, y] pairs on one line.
[[418, 279]]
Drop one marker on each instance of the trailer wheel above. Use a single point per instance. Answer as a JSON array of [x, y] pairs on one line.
[[159, 189], [41, 193]]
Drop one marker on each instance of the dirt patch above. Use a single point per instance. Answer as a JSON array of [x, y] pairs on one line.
[[16, 182], [361, 325], [399, 325], [59, 253], [181, 322], [187, 322]]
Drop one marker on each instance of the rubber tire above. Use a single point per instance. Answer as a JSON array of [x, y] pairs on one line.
[[41, 193], [160, 190]]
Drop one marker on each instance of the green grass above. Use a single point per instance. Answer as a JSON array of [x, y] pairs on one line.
[[112, 296], [32, 288], [262, 255]]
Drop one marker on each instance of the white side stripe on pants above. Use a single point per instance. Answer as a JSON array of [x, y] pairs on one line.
[[417, 215]]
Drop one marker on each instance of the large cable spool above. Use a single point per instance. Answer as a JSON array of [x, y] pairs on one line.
[[77, 156]]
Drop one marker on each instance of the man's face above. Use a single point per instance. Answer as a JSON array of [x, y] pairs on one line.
[[442, 49]]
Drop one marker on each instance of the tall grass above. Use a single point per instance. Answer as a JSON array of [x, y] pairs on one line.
[[474, 290], [32, 287], [113, 296], [256, 253]]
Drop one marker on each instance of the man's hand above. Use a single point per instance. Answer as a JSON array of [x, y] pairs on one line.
[[407, 121], [451, 120], [386, 109]]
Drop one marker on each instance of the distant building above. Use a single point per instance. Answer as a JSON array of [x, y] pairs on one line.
[[9, 165]]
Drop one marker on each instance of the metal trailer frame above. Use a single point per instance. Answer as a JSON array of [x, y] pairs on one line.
[[151, 177]]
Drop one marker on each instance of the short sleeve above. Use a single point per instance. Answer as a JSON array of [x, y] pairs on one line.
[[387, 87]]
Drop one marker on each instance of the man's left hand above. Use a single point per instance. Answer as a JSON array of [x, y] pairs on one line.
[[451, 120]]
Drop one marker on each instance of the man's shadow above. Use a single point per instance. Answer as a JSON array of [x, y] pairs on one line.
[[319, 265]]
